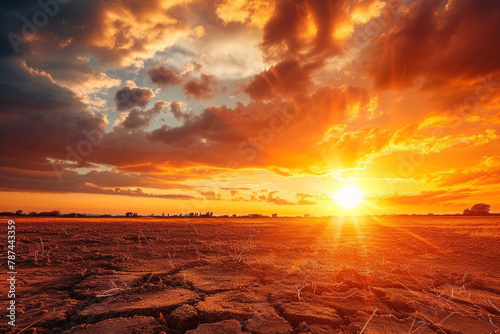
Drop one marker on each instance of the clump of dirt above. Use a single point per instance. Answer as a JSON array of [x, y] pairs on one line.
[[134, 324], [183, 318], [298, 312], [222, 327]]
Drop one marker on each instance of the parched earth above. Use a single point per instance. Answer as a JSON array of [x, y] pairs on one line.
[[265, 276]]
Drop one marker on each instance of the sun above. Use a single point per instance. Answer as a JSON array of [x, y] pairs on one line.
[[348, 197]]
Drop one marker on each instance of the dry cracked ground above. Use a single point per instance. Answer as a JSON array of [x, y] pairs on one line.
[[265, 276]]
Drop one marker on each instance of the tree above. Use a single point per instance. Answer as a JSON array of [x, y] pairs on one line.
[[480, 209], [54, 213]]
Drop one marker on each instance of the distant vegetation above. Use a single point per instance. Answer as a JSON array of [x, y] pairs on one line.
[[479, 209], [54, 213]]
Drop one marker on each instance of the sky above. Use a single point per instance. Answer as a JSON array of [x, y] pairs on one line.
[[249, 106]]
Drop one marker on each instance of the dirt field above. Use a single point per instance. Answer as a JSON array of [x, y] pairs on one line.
[[318, 275]]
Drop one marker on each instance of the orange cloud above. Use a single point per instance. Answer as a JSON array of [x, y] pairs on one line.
[[202, 88], [427, 197], [250, 12], [437, 41]]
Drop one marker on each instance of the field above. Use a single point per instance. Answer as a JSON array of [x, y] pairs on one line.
[[284, 275]]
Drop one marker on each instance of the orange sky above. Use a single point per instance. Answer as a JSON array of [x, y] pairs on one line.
[[250, 106]]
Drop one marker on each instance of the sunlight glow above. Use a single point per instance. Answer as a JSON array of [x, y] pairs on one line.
[[348, 197]]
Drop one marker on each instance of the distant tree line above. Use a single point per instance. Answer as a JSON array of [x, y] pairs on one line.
[[480, 209], [55, 213]]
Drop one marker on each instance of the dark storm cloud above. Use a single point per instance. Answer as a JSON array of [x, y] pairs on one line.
[[137, 118], [284, 32], [12, 22], [39, 118], [50, 36], [114, 39], [134, 120], [128, 98], [286, 78], [74, 182], [163, 76], [204, 126], [439, 44]]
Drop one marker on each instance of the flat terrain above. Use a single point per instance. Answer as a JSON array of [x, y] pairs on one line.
[[267, 276]]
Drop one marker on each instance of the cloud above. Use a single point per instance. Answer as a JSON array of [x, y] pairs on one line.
[[276, 200], [211, 195], [235, 56], [438, 41], [175, 109], [128, 98], [284, 79], [39, 118], [75, 178], [93, 182], [114, 32], [178, 109], [484, 173], [204, 126], [163, 76], [211, 137], [433, 197], [251, 12], [90, 188], [134, 120], [253, 196], [305, 199], [137, 118], [303, 30], [200, 89], [220, 134], [475, 177]]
